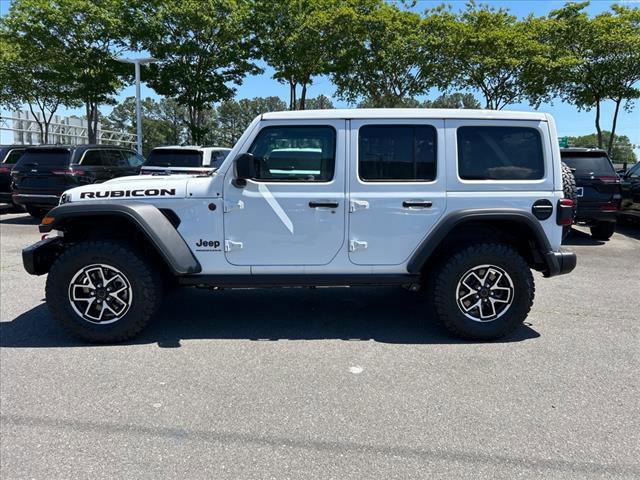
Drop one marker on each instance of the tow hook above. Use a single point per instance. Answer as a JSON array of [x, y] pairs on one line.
[[412, 287]]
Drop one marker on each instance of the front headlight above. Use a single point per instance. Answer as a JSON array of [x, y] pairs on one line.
[[65, 198]]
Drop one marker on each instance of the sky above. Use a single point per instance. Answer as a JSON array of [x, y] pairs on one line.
[[569, 120]]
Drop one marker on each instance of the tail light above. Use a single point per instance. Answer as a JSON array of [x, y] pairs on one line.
[[609, 207], [72, 172], [565, 212], [5, 170], [609, 179]]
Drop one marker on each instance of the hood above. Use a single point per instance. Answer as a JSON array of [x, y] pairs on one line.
[[142, 187]]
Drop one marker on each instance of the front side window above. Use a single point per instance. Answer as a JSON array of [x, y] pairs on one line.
[[295, 154], [500, 153], [133, 159], [397, 153]]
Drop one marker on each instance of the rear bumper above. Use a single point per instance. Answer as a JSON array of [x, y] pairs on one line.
[[5, 197], [35, 200], [595, 214], [559, 263]]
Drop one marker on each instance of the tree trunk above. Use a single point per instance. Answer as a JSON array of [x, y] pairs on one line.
[[303, 96], [613, 126], [598, 129], [292, 95], [43, 135], [92, 121]]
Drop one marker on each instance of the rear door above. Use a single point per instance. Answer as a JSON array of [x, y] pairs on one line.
[[396, 187], [94, 165], [43, 171]]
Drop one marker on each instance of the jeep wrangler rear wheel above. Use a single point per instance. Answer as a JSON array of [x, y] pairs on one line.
[[103, 291], [484, 291]]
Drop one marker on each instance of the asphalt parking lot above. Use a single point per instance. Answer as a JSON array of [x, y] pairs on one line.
[[327, 383]]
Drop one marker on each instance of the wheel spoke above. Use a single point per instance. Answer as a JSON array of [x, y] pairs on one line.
[[471, 307]]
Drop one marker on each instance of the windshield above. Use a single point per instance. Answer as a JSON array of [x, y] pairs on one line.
[[45, 157], [588, 165], [174, 158]]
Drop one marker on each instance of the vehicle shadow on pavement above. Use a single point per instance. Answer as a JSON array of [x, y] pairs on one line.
[[577, 237], [21, 220], [386, 315], [629, 229]]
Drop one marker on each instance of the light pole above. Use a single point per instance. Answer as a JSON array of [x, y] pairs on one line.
[[137, 62]]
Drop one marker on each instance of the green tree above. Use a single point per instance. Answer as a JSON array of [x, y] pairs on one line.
[[162, 121], [384, 56], [454, 100], [622, 151], [321, 102], [292, 38], [601, 59], [73, 43], [491, 51], [233, 117], [202, 49]]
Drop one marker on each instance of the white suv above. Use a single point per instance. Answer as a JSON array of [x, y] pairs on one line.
[[458, 204], [187, 159]]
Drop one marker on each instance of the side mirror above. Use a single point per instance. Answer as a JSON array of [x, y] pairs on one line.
[[245, 169]]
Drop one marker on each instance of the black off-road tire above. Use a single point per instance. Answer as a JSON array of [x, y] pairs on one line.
[[454, 269], [570, 191], [603, 230], [145, 283]]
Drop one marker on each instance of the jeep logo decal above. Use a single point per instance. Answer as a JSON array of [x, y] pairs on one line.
[[207, 245], [149, 192]]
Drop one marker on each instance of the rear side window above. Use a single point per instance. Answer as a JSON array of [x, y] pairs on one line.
[[397, 153], [45, 157], [92, 158], [500, 153], [174, 158], [589, 165], [13, 157]]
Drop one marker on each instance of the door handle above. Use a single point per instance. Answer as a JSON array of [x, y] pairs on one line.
[[313, 204], [417, 204]]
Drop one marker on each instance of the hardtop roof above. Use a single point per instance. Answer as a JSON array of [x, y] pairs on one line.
[[395, 113]]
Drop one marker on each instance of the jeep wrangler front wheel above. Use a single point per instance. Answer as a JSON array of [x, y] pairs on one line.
[[483, 291], [102, 291]]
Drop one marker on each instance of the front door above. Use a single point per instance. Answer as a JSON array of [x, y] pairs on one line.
[[293, 212], [397, 187]]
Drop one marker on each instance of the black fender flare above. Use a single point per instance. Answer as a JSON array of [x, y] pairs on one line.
[[449, 222], [147, 218]]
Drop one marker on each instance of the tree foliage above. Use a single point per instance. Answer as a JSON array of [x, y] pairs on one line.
[[202, 51], [383, 56], [70, 46], [601, 59]]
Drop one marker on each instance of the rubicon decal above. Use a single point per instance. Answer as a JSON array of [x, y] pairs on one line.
[[149, 192]]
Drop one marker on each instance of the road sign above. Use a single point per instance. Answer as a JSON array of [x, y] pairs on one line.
[[564, 142]]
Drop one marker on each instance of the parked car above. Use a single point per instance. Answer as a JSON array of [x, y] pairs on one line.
[[630, 183], [9, 155], [597, 189], [461, 204], [44, 172], [184, 159]]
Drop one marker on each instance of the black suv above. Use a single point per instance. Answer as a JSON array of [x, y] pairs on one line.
[[630, 207], [598, 189], [9, 155], [44, 172]]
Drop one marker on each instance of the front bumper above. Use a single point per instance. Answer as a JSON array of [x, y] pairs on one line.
[[35, 200], [559, 263], [38, 258]]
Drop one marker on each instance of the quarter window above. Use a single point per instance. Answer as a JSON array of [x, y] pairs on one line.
[[295, 154], [500, 153], [397, 153]]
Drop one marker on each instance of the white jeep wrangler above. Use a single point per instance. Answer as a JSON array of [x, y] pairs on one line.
[[461, 204]]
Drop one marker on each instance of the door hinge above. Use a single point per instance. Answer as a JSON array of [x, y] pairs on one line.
[[229, 245], [228, 206], [358, 205], [357, 245]]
